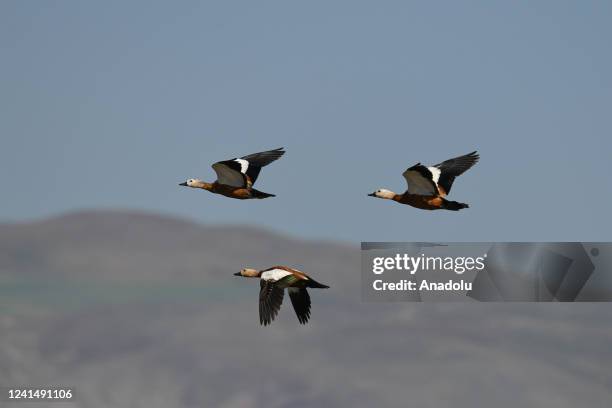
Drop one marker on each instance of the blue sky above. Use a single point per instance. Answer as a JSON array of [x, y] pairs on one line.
[[112, 104]]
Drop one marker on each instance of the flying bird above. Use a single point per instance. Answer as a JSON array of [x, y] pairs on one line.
[[273, 282], [428, 186], [235, 177]]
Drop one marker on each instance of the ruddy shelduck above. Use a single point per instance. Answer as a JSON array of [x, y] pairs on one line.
[[235, 177], [273, 282], [428, 186]]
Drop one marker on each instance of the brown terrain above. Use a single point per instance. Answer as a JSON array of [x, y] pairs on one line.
[[141, 310]]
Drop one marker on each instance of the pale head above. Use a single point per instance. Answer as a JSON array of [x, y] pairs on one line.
[[248, 273], [193, 182], [383, 193]]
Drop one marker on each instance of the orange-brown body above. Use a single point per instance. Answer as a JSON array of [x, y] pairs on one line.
[[298, 274], [240, 193], [420, 201]]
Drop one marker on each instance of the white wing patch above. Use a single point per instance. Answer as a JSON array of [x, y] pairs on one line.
[[228, 176], [435, 172], [244, 165], [417, 184], [275, 275]]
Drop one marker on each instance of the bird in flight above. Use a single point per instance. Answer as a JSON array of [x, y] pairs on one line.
[[235, 177], [273, 282], [428, 186]]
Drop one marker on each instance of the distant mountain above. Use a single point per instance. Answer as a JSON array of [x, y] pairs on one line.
[[137, 245], [140, 310]]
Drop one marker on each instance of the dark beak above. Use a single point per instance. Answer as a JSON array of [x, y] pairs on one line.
[[372, 195], [237, 274], [183, 184]]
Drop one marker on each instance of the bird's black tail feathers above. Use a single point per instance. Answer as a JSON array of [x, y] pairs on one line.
[[314, 284], [260, 194], [454, 205]]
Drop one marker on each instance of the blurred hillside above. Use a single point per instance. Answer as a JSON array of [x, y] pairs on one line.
[[141, 310]]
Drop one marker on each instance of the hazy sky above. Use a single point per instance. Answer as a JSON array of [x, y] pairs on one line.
[[112, 104]]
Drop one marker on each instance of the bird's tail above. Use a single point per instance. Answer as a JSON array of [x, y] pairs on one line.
[[260, 194], [454, 205], [314, 284]]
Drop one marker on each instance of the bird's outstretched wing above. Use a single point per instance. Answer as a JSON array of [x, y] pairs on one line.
[[270, 301], [421, 180], [452, 168], [243, 172], [438, 179], [301, 303]]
